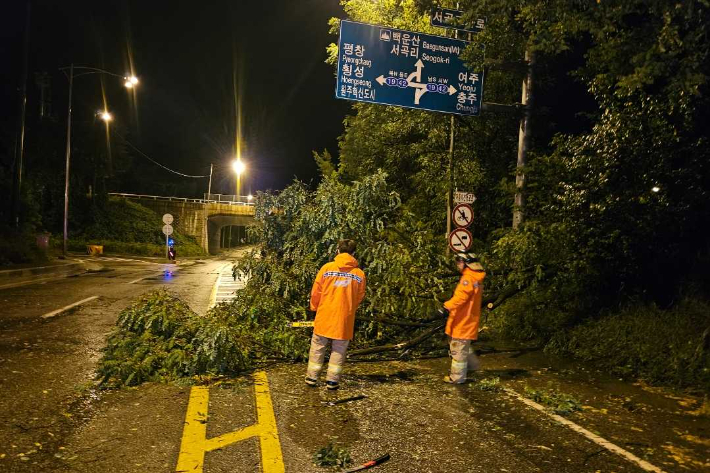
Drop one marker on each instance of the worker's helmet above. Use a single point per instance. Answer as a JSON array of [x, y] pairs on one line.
[[471, 260]]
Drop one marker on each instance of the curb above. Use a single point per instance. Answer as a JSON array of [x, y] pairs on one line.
[[59, 268]]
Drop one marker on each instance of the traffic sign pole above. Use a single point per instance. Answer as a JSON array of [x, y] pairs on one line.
[[450, 194], [167, 230]]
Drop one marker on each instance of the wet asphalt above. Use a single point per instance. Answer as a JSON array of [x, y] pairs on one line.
[[54, 419]]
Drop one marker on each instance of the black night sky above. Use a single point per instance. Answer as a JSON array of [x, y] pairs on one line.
[[190, 58]]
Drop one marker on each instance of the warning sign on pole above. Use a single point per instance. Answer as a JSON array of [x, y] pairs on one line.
[[462, 215], [460, 240]]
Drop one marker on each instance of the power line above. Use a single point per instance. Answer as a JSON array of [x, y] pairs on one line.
[[156, 162]]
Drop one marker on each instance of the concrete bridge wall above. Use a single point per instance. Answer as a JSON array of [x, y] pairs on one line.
[[198, 218]]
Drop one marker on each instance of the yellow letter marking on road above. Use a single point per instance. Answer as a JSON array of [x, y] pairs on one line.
[[195, 443]]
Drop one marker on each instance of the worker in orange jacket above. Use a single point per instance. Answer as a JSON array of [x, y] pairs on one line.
[[337, 292], [464, 315]]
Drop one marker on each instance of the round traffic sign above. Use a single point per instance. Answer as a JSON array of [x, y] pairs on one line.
[[168, 229], [167, 219], [463, 215], [460, 240]]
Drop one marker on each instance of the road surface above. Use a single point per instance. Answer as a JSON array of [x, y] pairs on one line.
[[55, 420]]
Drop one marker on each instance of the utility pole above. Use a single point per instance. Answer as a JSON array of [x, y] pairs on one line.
[[523, 141], [20, 145], [209, 186], [68, 156]]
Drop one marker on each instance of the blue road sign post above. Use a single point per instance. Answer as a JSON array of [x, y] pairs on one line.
[[446, 18], [406, 69]]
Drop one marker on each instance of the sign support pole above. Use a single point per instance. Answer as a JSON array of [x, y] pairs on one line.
[[450, 196], [450, 193], [523, 141]]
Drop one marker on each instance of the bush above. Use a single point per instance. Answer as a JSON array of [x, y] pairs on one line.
[[660, 346], [19, 248], [130, 248], [160, 338], [125, 227]]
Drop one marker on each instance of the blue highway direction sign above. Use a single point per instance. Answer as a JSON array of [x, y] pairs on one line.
[[396, 67], [445, 18]]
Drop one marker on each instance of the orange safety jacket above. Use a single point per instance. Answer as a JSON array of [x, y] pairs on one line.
[[465, 306], [337, 292]]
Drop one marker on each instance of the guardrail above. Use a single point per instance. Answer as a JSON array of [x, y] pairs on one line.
[[179, 199]]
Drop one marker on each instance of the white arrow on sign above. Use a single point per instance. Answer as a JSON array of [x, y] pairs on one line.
[[414, 80], [460, 240], [418, 73], [168, 229], [167, 219], [463, 215]]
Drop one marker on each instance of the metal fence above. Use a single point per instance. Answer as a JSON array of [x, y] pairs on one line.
[[209, 198], [236, 199]]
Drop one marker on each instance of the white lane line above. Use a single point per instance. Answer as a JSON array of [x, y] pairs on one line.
[[139, 279], [70, 306], [34, 281], [225, 286], [602, 442]]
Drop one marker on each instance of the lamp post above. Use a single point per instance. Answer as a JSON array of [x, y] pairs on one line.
[[239, 167], [129, 82]]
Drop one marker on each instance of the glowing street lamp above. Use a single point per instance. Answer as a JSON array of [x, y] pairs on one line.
[[250, 197], [238, 166], [105, 116], [130, 81]]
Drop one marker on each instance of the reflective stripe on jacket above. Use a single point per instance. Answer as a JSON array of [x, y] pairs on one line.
[[337, 292], [465, 306]]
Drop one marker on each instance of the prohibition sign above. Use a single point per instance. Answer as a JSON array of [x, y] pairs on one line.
[[460, 240], [463, 215]]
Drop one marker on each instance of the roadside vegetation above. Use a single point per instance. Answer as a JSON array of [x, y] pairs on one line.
[[126, 227], [609, 264], [18, 247]]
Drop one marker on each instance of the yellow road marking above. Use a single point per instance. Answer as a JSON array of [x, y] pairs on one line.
[[195, 443]]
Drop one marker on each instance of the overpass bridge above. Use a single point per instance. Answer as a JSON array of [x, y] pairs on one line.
[[204, 219]]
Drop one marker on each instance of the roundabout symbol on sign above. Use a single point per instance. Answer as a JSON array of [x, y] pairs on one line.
[[463, 215], [460, 240]]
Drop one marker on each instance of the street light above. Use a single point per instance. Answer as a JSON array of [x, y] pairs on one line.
[[238, 166], [250, 197], [83, 70], [130, 81], [105, 116]]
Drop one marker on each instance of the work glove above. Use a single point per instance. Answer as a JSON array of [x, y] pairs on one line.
[[443, 311]]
